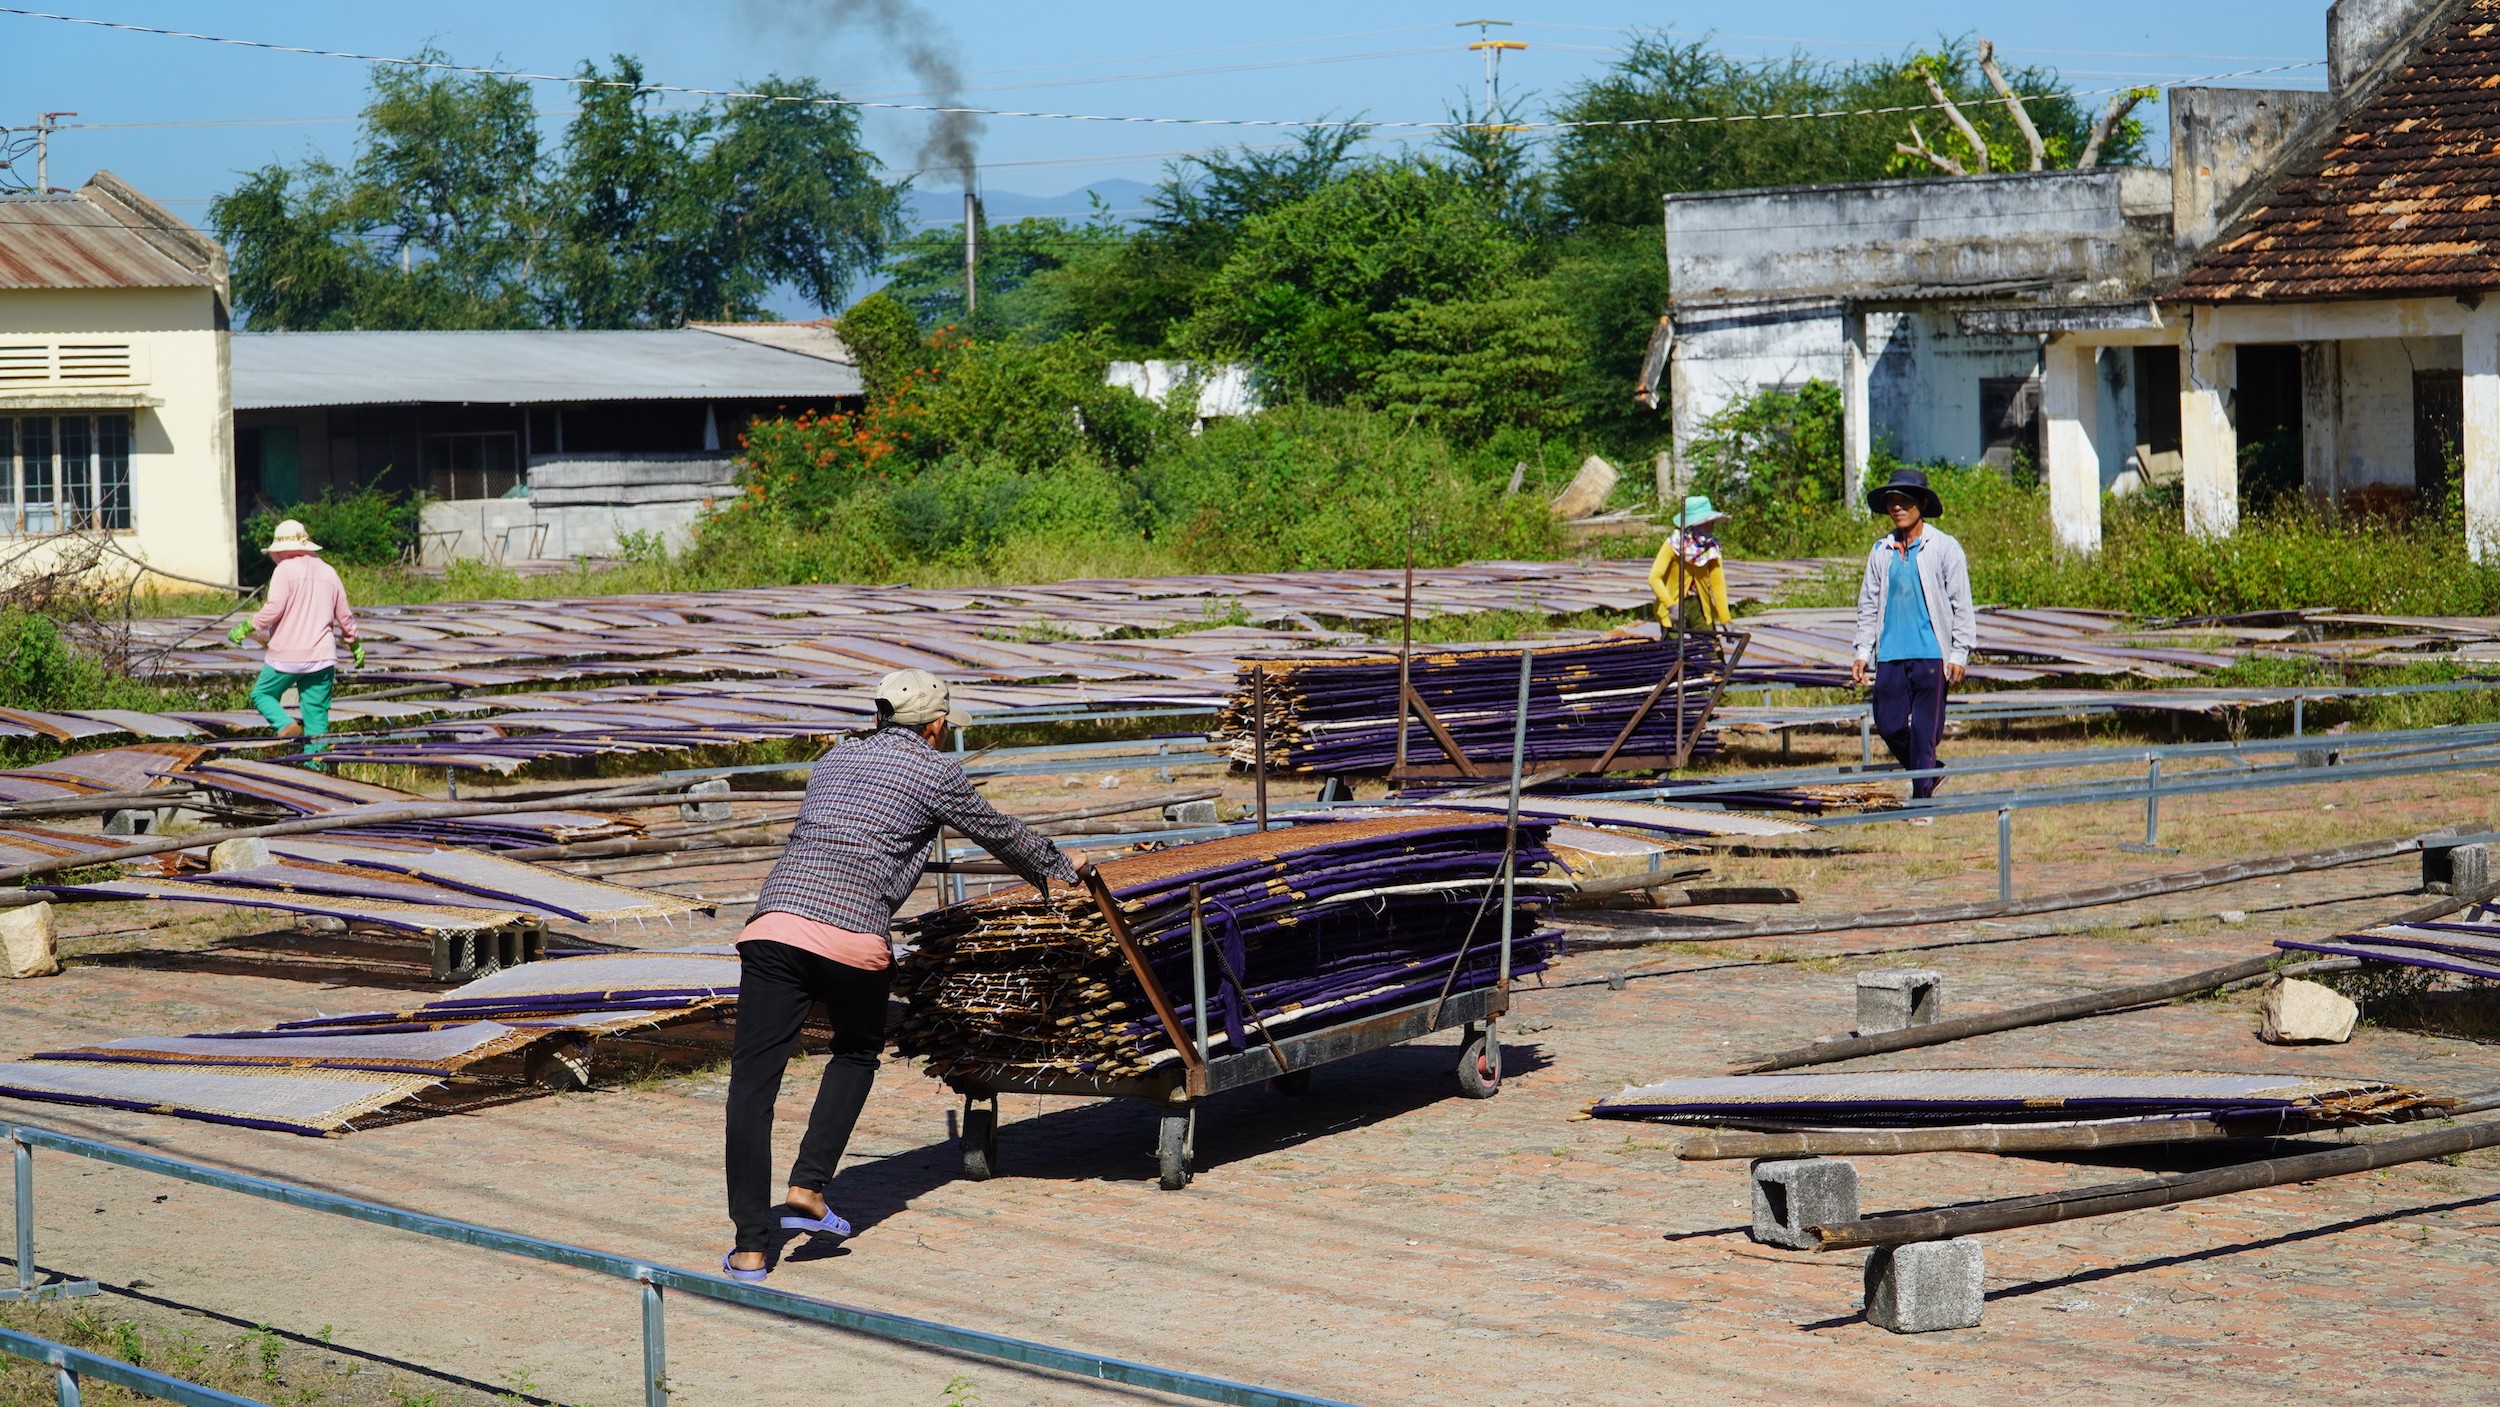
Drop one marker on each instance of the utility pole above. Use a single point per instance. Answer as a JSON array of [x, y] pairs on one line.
[[972, 258], [44, 128], [1492, 50]]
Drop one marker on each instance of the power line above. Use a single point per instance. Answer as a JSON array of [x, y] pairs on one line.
[[577, 81]]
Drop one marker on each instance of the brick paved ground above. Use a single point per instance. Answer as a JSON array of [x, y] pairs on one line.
[[1382, 1241]]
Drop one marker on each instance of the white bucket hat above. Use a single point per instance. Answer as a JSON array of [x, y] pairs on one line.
[[914, 698], [290, 537]]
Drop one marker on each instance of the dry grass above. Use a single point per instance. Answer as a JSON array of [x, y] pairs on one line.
[[259, 1364]]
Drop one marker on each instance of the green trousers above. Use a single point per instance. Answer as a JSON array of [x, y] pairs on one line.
[[312, 694]]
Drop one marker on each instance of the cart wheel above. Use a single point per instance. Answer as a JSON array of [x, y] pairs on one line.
[[1480, 1064], [980, 1144], [1172, 1152], [1292, 1082]]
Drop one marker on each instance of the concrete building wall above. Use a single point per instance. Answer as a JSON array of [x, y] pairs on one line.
[[1924, 378], [2376, 439], [516, 529], [2085, 233], [181, 474], [2223, 143]]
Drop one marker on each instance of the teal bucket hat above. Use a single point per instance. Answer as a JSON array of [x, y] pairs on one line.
[[1698, 513]]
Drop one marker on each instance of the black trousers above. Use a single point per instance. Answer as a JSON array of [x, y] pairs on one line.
[[777, 985], [1909, 712]]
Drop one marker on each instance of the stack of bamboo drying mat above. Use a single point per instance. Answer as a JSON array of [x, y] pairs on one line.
[[1306, 927], [1945, 1098], [326, 1075], [2467, 945], [1339, 716]]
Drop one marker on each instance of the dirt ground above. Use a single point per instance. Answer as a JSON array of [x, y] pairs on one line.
[[1379, 1240]]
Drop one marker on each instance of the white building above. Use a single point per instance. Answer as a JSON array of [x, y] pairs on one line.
[[2347, 307], [114, 416], [526, 445]]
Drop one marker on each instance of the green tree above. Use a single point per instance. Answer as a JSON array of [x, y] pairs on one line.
[[434, 226], [1684, 94], [1304, 294], [451, 218], [1139, 290], [926, 272]]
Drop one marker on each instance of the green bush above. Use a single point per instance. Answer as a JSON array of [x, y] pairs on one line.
[[39, 670], [1308, 487], [368, 528], [1773, 461]]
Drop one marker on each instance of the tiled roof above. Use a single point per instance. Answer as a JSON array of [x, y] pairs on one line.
[[2404, 201]]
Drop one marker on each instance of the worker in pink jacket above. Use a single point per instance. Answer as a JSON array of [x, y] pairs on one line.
[[306, 617]]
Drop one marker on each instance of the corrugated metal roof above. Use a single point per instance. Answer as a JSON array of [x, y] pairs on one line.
[[280, 370], [104, 236]]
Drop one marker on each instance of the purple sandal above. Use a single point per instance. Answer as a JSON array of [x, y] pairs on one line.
[[751, 1277], [830, 1224]]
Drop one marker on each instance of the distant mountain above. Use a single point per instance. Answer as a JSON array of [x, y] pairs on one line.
[[932, 204]]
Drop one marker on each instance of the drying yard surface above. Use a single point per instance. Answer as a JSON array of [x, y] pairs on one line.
[[1377, 1240]]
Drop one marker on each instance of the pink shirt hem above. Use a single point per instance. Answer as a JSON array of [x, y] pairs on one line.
[[861, 950]]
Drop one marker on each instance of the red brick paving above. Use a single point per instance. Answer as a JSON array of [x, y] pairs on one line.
[[1382, 1241]]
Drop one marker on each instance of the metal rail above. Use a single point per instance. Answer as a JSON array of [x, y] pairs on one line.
[[69, 1364], [654, 1280]]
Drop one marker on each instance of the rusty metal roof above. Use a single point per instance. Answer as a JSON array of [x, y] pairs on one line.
[[106, 235], [2404, 200]]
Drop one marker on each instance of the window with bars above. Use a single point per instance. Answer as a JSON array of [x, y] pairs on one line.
[[62, 473]]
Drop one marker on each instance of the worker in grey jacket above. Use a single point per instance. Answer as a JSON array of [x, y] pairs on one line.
[[1916, 625]]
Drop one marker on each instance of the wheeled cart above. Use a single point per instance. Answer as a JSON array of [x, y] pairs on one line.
[[1288, 1062]]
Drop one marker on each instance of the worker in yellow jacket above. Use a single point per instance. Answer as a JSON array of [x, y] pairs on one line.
[[1690, 567]]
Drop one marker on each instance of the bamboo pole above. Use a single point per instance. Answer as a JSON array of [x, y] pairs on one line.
[[347, 820], [97, 803], [2153, 887], [2039, 1014], [1900, 1228], [1994, 1138]]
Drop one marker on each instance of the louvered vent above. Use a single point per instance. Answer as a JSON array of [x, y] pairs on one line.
[[95, 361], [24, 361]]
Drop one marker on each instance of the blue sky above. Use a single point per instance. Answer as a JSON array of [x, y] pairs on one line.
[[179, 117]]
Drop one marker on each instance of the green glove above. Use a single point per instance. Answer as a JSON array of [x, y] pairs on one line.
[[356, 654], [242, 631]]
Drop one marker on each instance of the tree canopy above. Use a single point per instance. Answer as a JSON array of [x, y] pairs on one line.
[[452, 216]]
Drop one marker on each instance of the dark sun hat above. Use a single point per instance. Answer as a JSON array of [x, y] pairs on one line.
[[1912, 482]]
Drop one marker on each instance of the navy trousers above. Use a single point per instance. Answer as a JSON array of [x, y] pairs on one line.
[[1909, 713]]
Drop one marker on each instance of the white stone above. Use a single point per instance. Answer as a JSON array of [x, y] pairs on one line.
[[28, 942], [2295, 1012], [704, 811], [1896, 998], [2234, 917], [1589, 490], [250, 853]]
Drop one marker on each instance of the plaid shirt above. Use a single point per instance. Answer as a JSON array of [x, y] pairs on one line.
[[873, 806]]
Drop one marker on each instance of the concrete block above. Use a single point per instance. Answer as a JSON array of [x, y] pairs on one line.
[[1896, 998], [1589, 490], [2455, 869], [696, 812], [129, 823], [1791, 1194], [1192, 813], [247, 854], [2294, 1012], [28, 944], [1926, 1286]]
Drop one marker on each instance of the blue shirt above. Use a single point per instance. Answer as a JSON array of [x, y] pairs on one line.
[[1909, 633]]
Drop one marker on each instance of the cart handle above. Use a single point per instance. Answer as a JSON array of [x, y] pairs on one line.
[[1155, 995]]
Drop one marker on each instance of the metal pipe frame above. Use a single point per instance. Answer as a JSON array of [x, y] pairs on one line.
[[22, 1159], [652, 1280], [70, 1364], [2445, 737]]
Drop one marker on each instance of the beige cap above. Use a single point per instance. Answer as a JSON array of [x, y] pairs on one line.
[[914, 698], [290, 537]]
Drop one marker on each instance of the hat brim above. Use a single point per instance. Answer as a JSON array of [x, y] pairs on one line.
[[307, 545], [1929, 506], [1702, 522]]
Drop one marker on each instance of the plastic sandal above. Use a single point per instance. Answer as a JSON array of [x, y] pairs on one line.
[[751, 1277], [830, 1224]]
